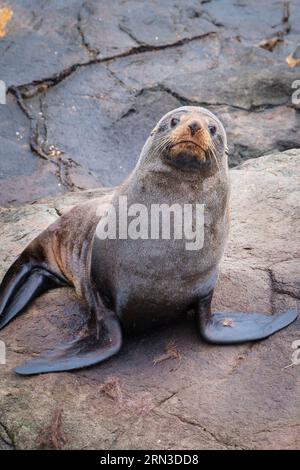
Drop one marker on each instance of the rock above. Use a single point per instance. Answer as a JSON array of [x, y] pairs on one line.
[[252, 134], [114, 106], [20, 168], [129, 25], [256, 25], [41, 41], [104, 126], [101, 29], [285, 277], [263, 82], [157, 27], [205, 397], [93, 77]]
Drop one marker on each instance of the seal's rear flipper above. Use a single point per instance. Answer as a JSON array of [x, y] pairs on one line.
[[24, 281], [82, 352], [229, 328]]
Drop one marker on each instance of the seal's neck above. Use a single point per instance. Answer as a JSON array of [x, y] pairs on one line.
[[152, 180]]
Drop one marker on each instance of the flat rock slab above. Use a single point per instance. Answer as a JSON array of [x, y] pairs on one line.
[[41, 40], [92, 78], [168, 389]]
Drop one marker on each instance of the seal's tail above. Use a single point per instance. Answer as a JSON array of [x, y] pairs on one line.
[[25, 280]]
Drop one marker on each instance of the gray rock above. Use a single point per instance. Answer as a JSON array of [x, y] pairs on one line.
[[164, 22], [100, 124], [119, 27], [96, 75], [256, 23], [154, 68], [41, 41], [99, 23], [23, 176], [101, 115], [252, 134]]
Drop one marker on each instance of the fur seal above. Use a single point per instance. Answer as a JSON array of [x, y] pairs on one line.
[[136, 283]]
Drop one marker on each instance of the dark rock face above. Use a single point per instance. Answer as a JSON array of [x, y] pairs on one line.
[[87, 81], [23, 176], [42, 40], [92, 78], [168, 389]]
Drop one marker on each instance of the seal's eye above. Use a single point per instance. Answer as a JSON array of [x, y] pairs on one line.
[[212, 129], [174, 121]]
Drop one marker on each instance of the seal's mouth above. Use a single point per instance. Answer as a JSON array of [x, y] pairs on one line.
[[187, 155], [187, 143], [189, 147], [189, 158]]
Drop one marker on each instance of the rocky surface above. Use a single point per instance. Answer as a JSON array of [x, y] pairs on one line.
[[87, 81], [169, 390]]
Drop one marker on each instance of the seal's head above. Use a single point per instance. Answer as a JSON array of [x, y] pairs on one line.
[[189, 138]]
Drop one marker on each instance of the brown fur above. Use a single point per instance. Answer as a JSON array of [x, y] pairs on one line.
[[182, 139]]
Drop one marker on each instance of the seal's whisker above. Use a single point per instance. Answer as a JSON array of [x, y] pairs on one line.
[[212, 150], [162, 143]]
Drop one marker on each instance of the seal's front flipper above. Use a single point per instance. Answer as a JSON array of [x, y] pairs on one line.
[[230, 328], [82, 352], [24, 281]]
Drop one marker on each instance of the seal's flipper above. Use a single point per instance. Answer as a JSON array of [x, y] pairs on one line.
[[230, 328], [82, 352], [23, 282]]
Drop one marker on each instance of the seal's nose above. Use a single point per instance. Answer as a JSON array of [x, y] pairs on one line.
[[194, 127]]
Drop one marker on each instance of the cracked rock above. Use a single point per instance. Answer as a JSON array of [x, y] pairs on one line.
[[97, 121], [99, 22], [256, 23], [252, 134], [23, 177], [41, 41], [93, 77], [164, 22]]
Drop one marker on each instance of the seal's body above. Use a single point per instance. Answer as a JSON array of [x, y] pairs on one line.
[[138, 283], [153, 281]]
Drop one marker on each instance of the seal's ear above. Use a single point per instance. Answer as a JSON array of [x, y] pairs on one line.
[[230, 328]]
